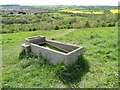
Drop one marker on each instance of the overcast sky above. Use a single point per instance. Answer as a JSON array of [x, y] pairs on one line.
[[60, 2]]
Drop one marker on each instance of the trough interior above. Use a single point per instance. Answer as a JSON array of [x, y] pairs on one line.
[[53, 47], [58, 46], [41, 41], [62, 46]]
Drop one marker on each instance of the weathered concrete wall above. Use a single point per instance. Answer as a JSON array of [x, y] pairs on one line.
[[54, 57], [35, 40], [73, 56]]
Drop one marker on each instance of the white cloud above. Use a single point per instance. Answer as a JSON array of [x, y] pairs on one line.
[[60, 2]]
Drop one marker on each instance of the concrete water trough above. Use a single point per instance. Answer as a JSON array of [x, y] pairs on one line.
[[55, 52]]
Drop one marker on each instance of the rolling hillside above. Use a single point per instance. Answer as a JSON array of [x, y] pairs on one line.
[[98, 68]]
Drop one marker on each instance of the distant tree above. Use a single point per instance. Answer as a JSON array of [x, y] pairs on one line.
[[87, 24], [56, 28], [30, 29], [34, 29], [94, 24], [11, 13], [102, 24]]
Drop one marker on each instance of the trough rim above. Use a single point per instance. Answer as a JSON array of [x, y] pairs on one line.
[[79, 47], [32, 37]]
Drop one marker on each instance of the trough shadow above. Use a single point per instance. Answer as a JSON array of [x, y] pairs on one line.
[[22, 54], [69, 75], [72, 74]]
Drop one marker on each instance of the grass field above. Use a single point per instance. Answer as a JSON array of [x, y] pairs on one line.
[[98, 68]]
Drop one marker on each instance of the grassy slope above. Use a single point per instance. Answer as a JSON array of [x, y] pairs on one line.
[[100, 46]]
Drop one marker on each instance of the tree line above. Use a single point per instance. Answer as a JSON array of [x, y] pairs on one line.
[[55, 21]]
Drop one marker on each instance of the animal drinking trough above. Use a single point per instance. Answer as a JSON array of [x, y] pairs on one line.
[[55, 52]]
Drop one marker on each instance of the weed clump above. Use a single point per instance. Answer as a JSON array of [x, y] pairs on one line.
[[70, 74], [22, 55]]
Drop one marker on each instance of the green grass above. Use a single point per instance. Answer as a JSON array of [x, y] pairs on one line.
[[98, 68]]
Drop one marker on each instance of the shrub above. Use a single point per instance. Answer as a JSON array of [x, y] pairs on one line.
[[56, 28]]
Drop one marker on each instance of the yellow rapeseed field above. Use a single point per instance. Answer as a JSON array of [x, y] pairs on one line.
[[81, 12], [115, 11]]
